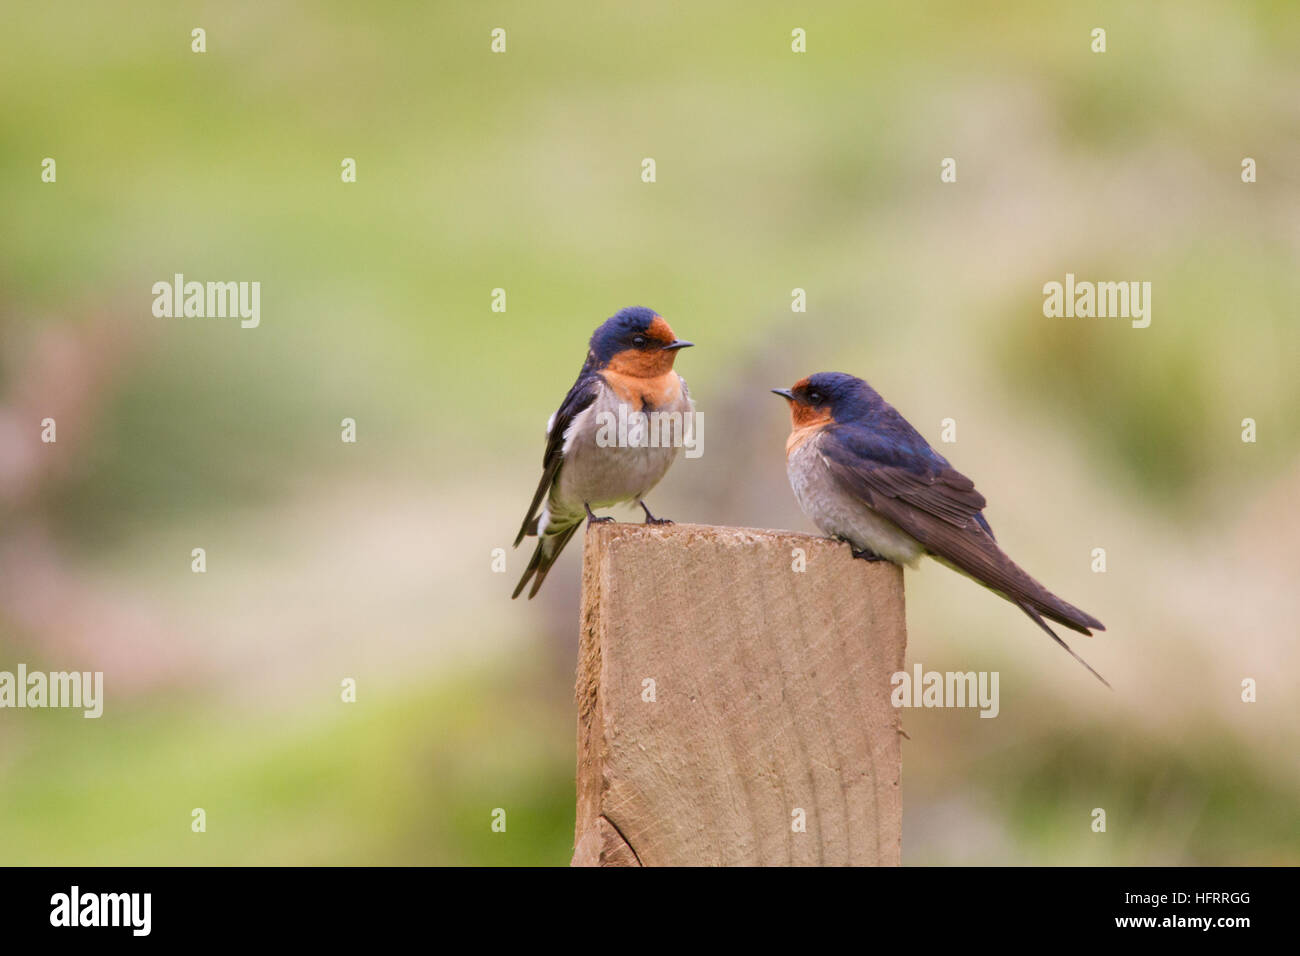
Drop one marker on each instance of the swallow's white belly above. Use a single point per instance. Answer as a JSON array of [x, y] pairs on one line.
[[841, 514], [600, 472]]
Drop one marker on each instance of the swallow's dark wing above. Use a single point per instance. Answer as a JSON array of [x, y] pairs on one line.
[[580, 396], [919, 491]]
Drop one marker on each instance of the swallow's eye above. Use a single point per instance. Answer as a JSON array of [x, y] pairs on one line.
[[815, 397], [639, 341]]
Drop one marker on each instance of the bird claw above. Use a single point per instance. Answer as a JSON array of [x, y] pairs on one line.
[[593, 519], [651, 519], [866, 554]]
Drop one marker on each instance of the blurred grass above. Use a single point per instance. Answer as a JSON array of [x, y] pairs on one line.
[[1153, 402], [1163, 806], [402, 777]]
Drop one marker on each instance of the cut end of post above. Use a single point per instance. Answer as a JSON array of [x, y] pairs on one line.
[[734, 699]]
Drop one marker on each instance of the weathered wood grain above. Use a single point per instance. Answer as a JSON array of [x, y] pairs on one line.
[[771, 696]]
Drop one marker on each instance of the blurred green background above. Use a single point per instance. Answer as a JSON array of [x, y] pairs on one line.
[[522, 171]]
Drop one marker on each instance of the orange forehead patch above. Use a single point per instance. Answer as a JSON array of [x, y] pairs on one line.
[[660, 331], [802, 383]]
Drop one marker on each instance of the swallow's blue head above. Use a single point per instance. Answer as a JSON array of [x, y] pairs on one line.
[[636, 341], [829, 396]]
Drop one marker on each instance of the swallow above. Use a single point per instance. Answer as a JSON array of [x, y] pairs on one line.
[[864, 475], [629, 366]]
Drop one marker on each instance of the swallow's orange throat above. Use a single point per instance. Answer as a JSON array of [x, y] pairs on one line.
[[640, 392], [639, 363], [805, 422]]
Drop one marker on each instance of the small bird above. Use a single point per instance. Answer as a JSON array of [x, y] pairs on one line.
[[866, 476], [629, 368]]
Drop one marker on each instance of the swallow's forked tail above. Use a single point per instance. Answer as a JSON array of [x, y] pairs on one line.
[[980, 559], [1038, 619], [549, 546]]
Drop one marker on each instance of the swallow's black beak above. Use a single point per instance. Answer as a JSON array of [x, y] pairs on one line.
[[784, 393], [678, 344]]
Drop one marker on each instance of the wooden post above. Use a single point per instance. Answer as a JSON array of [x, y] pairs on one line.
[[724, 696]]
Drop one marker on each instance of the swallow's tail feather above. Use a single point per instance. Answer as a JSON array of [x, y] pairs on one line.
[[979, 558], [549, 546], [1064, 613], [534, 517], [529, 527], [994, 569], [1038, 619]]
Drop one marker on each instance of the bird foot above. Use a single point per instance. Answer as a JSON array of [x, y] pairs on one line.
[[651, 519], [593, 519], [866, 554]]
